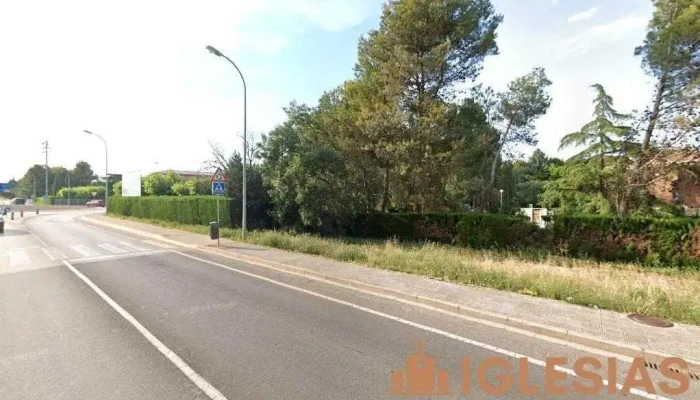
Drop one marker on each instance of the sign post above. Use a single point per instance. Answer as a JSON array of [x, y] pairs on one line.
[[218, 188], [94, 194]]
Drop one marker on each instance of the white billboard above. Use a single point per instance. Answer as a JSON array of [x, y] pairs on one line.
[[131, 184]]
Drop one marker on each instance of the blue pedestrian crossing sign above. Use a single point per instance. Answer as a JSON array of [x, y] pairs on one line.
[[218, 188]]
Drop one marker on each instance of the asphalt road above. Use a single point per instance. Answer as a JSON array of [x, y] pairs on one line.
[[244, 331]]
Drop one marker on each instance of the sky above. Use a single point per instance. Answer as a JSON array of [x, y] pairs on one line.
[[137, 72]]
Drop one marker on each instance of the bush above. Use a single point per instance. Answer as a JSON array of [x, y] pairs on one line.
[[656, 242], [477, 230], [671, 242], [49, 200], [192, 210], [82, 192]]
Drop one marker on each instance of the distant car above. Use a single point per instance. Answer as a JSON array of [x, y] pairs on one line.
[[95, 203], [18, 200]]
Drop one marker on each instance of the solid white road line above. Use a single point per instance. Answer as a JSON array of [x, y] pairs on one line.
[[205, 386], [18, 257], [85, 251], [127, 244], [60, 254], [48, 253], [112, 249], [426, 328]]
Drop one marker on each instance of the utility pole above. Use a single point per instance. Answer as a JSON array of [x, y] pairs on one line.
[[46, 165], [69, 187]]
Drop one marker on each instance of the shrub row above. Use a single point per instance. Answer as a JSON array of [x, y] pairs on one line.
[[192, 210], [655, 242], [62, 201], [463, 229], [82, 192], [195, 210]]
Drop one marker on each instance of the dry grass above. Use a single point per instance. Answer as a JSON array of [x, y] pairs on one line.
[[667, 293]]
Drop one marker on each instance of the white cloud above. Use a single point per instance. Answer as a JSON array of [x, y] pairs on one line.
[[584, 15], [602, 35], [555, 2]]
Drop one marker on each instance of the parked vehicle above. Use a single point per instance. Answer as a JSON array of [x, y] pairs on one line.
[[18, 201], [95, 203], [2, 219]]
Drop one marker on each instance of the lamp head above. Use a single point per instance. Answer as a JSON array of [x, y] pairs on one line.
[[214, 51]]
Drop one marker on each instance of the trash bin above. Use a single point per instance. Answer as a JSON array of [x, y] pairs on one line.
[[214, 230]]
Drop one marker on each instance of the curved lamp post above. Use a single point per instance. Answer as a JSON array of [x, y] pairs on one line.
[[106, 166], [245, 138]]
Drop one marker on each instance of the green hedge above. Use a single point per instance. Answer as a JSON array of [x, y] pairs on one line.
[[82, 192], [193, 210], [478, 230], [656, 242]]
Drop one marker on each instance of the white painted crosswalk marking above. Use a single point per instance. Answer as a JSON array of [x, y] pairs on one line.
[[85, 251], [18, 257], [159, 244], [48, 253], [132, 246], [111, 248]]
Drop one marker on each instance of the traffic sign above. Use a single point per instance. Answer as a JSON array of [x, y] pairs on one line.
[[94, 194], [218, 188], [218, 176], [5, 187]]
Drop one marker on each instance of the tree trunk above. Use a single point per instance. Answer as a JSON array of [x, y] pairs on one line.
[[497, 158], [653, 119], [385, 197], [494, 166], [601, 186]]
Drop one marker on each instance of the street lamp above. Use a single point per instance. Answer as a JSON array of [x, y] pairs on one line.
[[106, 167], [500, 209], [245, 138]]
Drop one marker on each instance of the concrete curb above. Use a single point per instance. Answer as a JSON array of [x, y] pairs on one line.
[[651, 357]]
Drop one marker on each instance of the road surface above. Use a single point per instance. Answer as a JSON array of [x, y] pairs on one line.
[[92, 314]]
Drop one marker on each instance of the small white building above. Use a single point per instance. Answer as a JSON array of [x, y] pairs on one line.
[[535, 215]]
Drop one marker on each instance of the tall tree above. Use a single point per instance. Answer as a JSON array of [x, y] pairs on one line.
[[59, 179], [516, 111], [83, 174], [671, 54], [32, 183], [602, 136], [413, 61]]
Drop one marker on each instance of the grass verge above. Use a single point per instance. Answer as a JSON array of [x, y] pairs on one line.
[[667, 293]]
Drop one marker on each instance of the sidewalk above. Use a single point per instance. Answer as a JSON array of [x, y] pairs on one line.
[[601, 329]]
